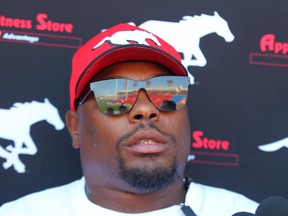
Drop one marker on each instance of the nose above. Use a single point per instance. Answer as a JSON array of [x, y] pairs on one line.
[[143, 109]]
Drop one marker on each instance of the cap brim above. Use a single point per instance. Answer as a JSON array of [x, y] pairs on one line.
[[128, 53]]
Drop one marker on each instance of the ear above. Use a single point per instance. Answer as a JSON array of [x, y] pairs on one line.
[[72, 125]]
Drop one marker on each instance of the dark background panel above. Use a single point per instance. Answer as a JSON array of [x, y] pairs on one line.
[[231, 100]]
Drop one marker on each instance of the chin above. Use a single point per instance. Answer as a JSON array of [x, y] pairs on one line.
[[148, 175]]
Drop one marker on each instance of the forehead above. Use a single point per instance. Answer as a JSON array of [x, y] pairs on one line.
[[136, 70]]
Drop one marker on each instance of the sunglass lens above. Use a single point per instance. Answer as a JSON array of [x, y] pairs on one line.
[[117, 96], [115, 106], [168, 102]]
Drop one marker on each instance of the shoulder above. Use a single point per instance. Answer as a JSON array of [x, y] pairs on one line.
[[43, 202], [210, 199]]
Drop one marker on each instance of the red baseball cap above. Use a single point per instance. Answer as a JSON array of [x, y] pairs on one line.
[[123, 42]]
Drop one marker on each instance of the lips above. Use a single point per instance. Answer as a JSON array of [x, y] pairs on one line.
[[147, 142]]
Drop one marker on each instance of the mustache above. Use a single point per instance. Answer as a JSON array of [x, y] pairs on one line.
[[140, 127]]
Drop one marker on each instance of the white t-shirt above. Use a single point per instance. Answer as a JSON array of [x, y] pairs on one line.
[[71, 200]]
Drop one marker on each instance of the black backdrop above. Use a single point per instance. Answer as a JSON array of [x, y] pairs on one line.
[[238, 102]]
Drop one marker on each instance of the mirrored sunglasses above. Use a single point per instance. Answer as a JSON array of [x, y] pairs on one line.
[[117, 96]]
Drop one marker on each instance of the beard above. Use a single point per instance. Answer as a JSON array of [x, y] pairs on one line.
[[151, 176], [145, 179]]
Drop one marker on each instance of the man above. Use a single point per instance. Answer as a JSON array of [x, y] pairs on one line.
[[128, 117]]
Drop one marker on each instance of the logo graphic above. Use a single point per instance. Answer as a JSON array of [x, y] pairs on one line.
[[20, 37], [15, 126], [185, 35], [211, 151], [123, 38], [273, 52], [274, 146], [268, 43], [205, 143], [49, 36], [43, 23]]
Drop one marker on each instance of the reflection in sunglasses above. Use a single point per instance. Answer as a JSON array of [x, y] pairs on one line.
[[117, 96]]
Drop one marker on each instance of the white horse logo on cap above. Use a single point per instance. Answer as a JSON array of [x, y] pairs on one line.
[[126, 37], [15, 125]]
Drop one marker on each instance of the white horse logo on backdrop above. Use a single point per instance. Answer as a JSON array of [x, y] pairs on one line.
[[185, 35], [274, 146], [15, 125]]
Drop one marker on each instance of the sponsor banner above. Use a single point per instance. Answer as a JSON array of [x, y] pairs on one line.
[[41, 31], [205, 150], [237, 63], [213, 158], [273, 52], [40, 39]]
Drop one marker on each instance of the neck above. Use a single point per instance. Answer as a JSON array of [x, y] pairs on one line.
[[128, 202]]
